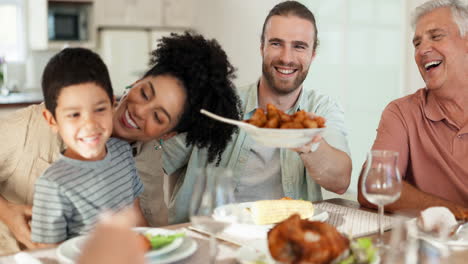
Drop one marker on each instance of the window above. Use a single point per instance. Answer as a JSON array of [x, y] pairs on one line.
[[360, 56], [12, 32]]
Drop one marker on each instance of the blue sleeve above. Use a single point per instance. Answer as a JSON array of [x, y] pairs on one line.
[[50, 212], [335, 133]]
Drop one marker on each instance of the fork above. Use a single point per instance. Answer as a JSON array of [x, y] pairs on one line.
[[228, 120], [457, 230]]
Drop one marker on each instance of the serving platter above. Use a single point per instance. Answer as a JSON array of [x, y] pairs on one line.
[[272, 137]]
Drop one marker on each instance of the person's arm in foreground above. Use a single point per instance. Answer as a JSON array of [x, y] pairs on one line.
[[328, 165], [113, 241], [16, 217]]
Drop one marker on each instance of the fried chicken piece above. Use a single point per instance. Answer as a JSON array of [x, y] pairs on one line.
[[276, 118], [258, 118], [272, 111], [302, 241], [273, 117], [291, 125], [309, 123], [336, 243], [273, 123], [320, 121], [285, 118], [299, 116]]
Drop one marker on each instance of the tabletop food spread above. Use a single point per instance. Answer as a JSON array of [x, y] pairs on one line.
[[287, 239]]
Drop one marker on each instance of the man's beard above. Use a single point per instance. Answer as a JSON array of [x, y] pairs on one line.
[[283, 88]]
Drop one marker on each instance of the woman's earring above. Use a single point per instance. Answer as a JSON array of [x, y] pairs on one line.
[[158, 147], [126, 90]]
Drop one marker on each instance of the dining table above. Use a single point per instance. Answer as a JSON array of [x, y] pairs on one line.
[[228, 250]]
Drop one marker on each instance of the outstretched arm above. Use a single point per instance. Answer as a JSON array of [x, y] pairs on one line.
[[325, 157], [328, 166]]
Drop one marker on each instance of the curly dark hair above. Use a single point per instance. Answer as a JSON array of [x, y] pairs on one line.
[[206, 74]]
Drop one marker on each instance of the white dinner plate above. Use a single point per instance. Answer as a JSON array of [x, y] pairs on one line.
[[188, 247], [252, 254], [243, 216], [67, 252], [78, 243], [272, 137]]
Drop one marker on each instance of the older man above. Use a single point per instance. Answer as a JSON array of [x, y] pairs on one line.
[[288, 46], [429, 129]]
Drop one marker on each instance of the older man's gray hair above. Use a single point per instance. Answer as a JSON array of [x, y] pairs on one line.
[[459, 12]]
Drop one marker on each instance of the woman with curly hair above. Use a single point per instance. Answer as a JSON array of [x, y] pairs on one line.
[[188, 73]]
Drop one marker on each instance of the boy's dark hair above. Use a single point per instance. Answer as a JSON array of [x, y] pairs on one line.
[[73, 66], [291, 8], [204, 70]]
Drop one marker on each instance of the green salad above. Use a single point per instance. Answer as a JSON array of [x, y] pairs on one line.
[[362, 251], [159, 241]]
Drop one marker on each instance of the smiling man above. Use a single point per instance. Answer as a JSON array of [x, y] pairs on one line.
[[429, 128], [288, 47]]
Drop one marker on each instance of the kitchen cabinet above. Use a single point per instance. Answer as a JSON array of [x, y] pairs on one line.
[[37, 20], [148, 14], [37, 24], [126, 54], [144, 13], [134, 13], [178, 13], [72, 1]]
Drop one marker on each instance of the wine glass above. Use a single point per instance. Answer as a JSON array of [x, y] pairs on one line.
[[381, 182], [213, 188]]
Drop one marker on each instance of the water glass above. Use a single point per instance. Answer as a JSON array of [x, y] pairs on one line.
[[381, 182], [213, 188]]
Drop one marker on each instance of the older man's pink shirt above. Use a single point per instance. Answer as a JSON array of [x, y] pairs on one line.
[[433, 150]]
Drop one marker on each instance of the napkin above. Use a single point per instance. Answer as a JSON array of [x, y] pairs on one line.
[[436, 219]]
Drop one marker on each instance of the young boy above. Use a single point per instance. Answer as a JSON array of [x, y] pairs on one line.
[[94, 173]]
